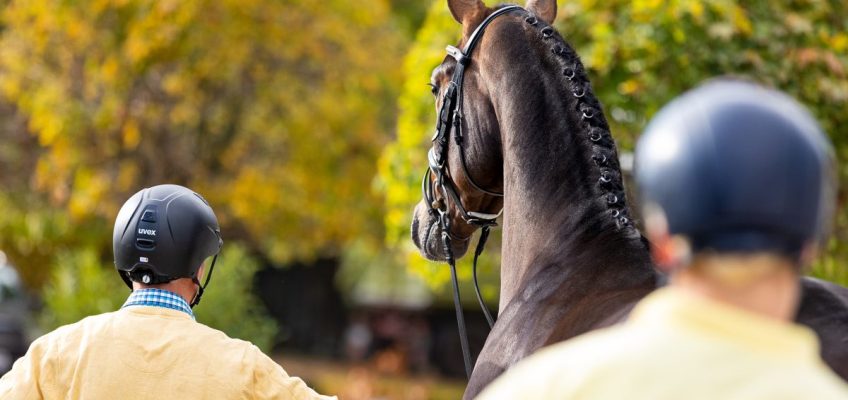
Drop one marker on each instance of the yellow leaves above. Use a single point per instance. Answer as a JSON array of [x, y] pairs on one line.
[[436, 275], [645, 10], [735, 19], [279, 105], [137, 48], [601, 30], [88, 190], [52, 171], [109, 69], [598, 58], [695, 8], [629, 87], [585, 4], [155, 28], [45, 122], [131, 135], [77, 30], [838, 42], [127, 176]]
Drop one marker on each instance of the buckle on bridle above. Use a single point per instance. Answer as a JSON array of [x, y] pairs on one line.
[[458, 55]]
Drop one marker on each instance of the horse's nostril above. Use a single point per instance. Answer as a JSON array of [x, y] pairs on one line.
[[414, 233]]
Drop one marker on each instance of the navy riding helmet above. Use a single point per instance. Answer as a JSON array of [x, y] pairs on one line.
[[164, 233], [737, 167]]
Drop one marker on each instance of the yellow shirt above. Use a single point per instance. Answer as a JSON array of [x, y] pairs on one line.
[[147, 352], [678, 346]]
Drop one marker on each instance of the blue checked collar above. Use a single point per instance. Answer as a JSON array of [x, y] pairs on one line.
[[158, 298]]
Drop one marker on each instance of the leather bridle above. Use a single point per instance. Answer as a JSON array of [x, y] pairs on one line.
[[437, 177]]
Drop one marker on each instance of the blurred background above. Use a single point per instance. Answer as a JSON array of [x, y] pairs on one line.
[[305, 124]]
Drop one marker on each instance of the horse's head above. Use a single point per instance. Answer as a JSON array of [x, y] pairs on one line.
[[463, 186]]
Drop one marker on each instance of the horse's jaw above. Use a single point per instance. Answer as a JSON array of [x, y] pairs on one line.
[[427, 235]]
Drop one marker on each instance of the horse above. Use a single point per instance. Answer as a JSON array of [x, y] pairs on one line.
[[531, 141]]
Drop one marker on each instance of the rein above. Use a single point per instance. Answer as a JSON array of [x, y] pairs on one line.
[[450, 116]]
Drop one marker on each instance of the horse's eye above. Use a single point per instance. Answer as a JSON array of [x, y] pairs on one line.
[[433, 89]]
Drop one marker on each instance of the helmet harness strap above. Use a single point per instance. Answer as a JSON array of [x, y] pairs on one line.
[[200, 288]]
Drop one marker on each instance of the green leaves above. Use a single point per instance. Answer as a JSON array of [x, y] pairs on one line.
[[229, 303]]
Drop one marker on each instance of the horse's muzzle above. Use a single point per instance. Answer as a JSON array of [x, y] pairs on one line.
[[427, 235]]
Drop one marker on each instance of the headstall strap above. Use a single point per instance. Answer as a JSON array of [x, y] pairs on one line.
[[450, 116]]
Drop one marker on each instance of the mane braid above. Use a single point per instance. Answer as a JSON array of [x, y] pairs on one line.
[[599, 139]]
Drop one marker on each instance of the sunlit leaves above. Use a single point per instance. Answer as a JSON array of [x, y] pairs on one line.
[[275, 111]]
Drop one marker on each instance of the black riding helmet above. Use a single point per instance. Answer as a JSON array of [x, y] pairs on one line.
[[736, 167], [164, 233]]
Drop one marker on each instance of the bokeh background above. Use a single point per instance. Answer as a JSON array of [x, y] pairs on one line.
[[305, 124]]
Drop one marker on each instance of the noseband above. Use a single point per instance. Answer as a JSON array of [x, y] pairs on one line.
[[436, 176]]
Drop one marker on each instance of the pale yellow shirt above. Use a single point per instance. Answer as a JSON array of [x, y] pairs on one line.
[[678, 346], [147, 353]]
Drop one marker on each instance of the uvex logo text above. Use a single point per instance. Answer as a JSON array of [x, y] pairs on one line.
[[151, 232]]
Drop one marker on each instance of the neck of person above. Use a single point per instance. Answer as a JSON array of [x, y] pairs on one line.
[[183, 287], [765, 284]]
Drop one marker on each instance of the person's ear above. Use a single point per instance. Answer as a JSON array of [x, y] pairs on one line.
[[669, 252]]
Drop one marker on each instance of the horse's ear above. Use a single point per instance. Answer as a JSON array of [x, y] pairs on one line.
[[469, 13], [544, 9]]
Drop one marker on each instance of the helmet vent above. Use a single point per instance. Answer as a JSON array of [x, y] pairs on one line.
[[145, 244]]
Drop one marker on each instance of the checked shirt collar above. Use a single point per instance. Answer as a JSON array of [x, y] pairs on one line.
[[158, 298]]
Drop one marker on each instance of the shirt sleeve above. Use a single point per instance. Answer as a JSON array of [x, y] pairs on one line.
[[270, 381], [23, 380]]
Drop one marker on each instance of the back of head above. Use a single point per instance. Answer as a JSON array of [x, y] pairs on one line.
[[164, 233], [738, 168]]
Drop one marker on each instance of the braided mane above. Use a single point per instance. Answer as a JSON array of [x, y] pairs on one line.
[[599, 139]]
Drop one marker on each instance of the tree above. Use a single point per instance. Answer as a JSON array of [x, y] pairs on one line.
[[275, 111]]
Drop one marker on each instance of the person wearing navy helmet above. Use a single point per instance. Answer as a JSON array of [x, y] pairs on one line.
[[152, 348], [736, 168], [737, 186]]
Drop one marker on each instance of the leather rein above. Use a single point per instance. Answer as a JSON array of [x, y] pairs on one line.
[[437, 178]]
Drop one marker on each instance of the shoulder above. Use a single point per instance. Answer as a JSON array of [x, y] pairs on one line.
[[251, 356], [217, 340], [67, 337]]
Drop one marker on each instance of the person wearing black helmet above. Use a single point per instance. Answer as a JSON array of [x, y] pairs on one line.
[[152, 348], [737, 186]]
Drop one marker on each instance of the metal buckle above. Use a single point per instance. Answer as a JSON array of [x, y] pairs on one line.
[[457, 55]]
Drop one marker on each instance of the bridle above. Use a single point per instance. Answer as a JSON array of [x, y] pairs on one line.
[[437, 177]]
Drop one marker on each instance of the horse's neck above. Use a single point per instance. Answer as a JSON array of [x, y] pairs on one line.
[[556, 213]]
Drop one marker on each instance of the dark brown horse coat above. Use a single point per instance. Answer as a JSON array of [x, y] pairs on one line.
[[572, 261]]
